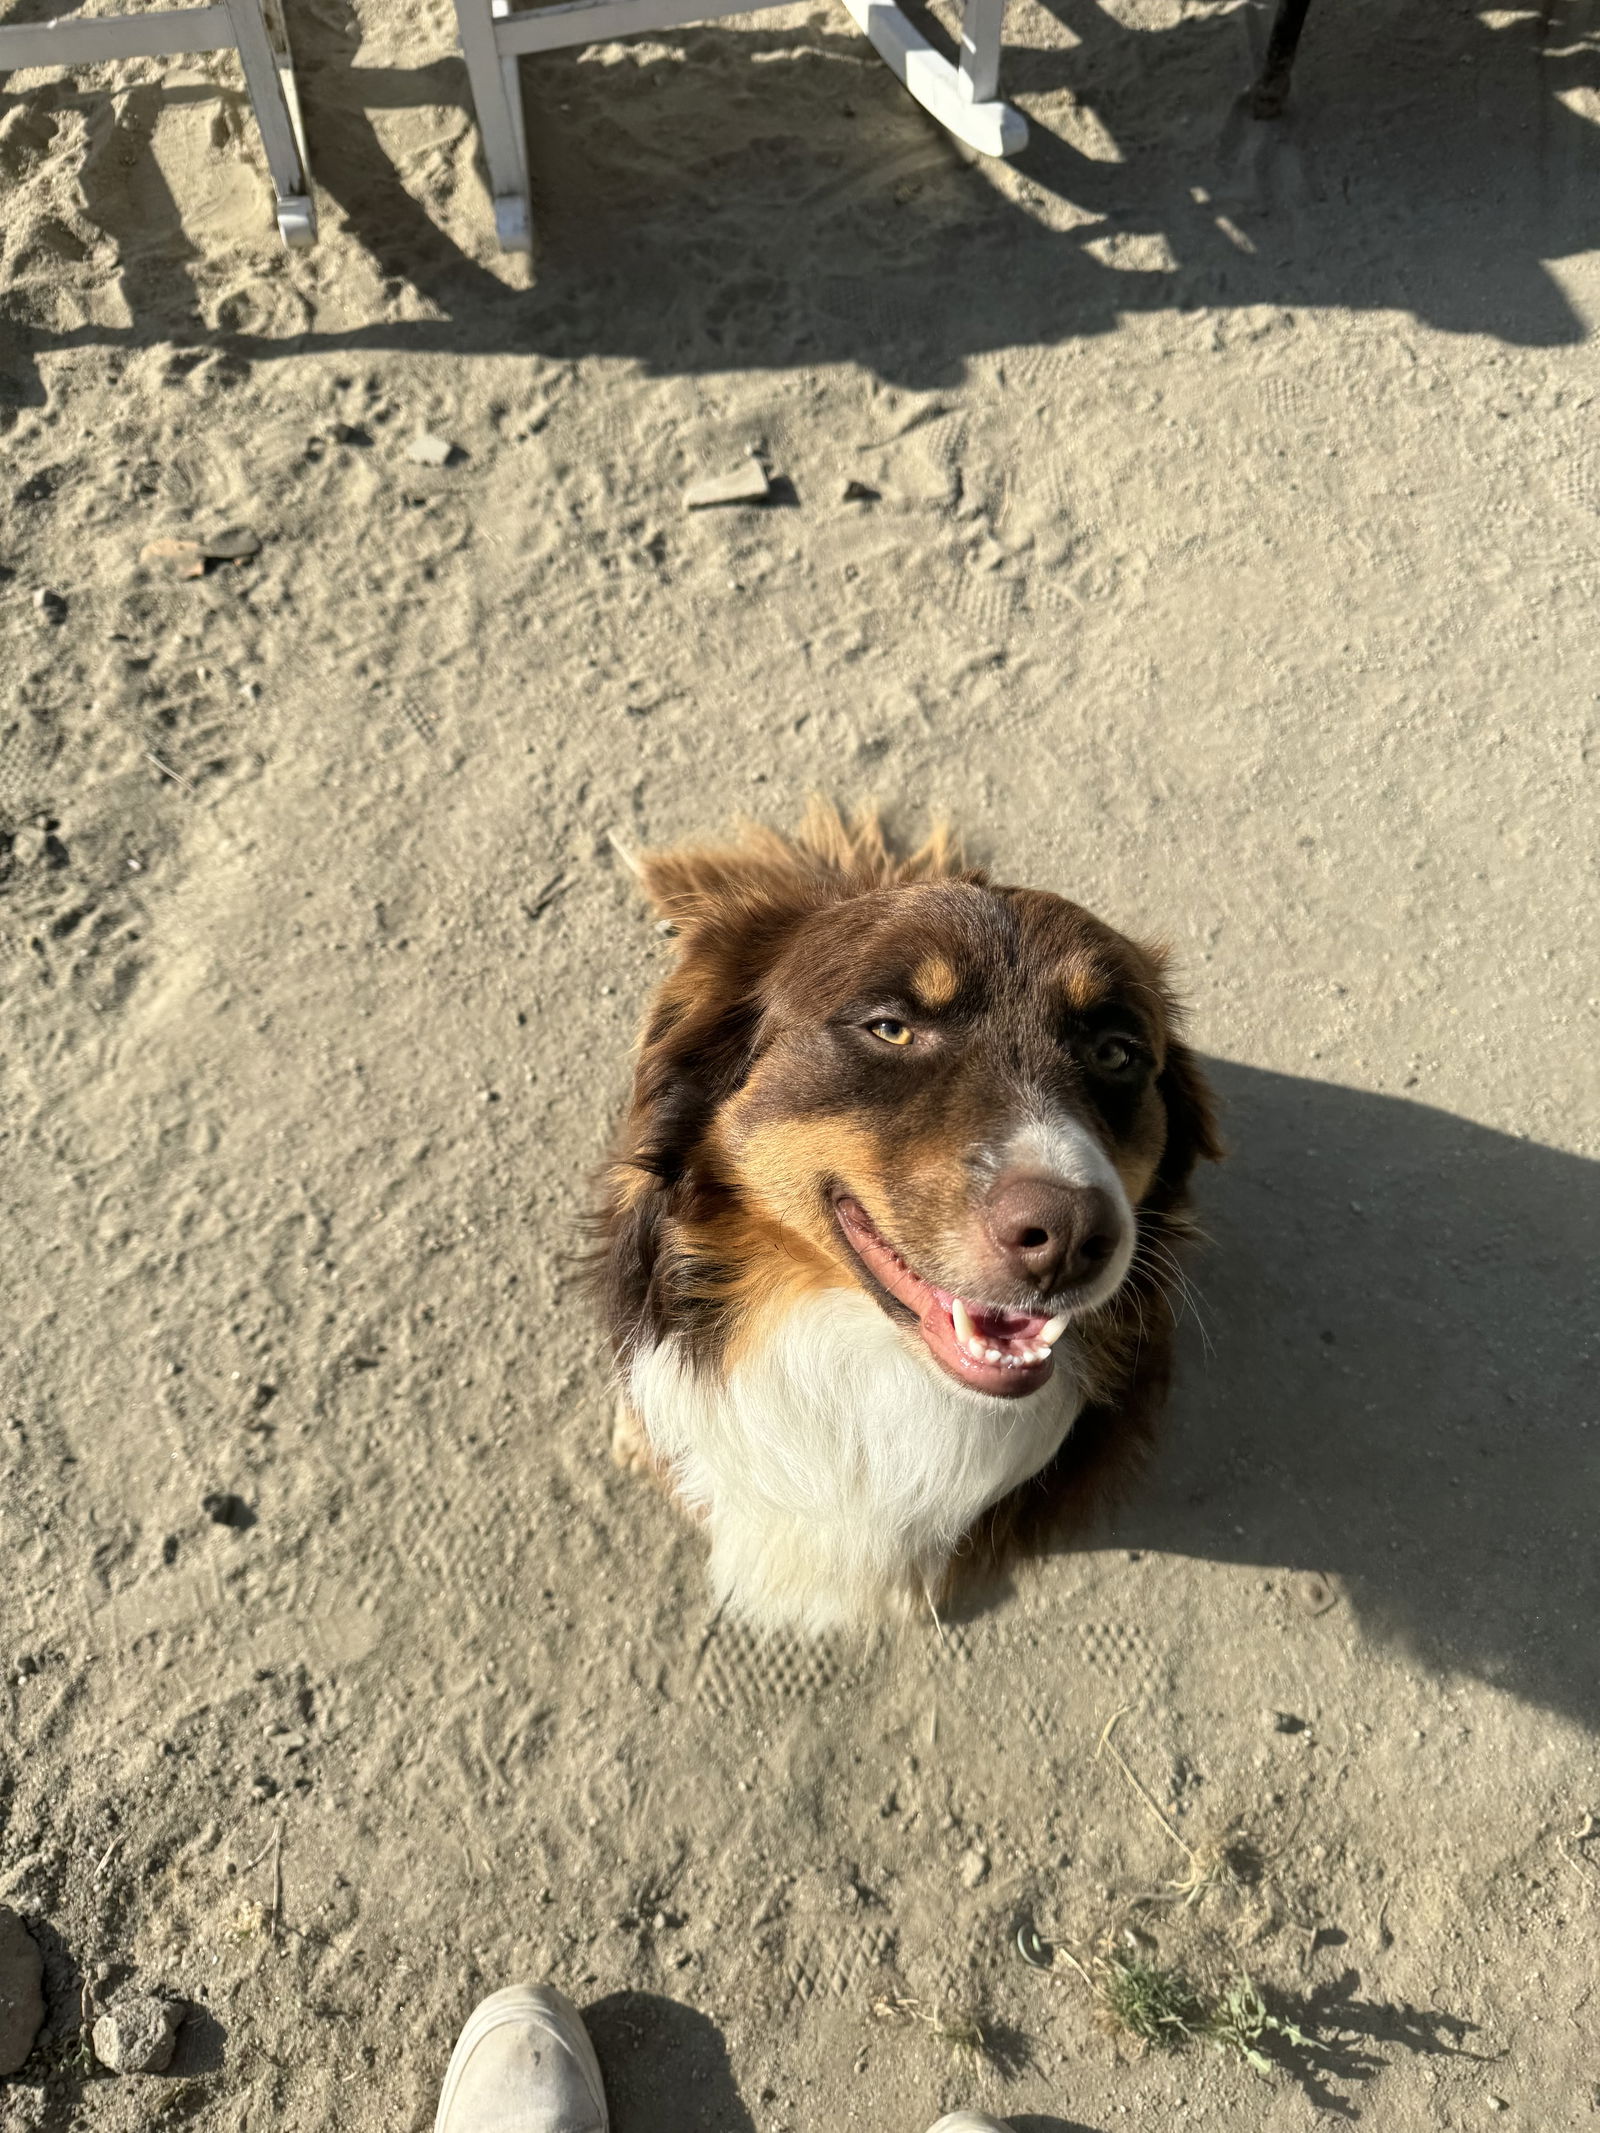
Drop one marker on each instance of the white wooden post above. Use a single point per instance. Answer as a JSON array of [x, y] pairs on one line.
[[269, 77], [992, 128], [961, 97], [497, 97], [231, 25], [982, 25]]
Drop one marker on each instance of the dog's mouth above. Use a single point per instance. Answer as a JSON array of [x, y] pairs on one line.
[[983, 1346]]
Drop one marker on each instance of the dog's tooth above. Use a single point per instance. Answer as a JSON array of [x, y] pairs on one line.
[[1051, 1331], [992, 1355], [961, 1318]]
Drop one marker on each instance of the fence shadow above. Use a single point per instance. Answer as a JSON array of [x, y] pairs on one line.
[[719, 213]]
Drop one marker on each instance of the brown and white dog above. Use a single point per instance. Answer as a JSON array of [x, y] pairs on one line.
[[887, 1241]]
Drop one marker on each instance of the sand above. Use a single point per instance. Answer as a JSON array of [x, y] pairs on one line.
[[1233, 568]]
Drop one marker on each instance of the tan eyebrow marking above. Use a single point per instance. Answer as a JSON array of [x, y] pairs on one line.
[[934, 981], [1083, 984]]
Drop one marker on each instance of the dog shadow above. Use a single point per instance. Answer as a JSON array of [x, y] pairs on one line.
[[1391, 1387]]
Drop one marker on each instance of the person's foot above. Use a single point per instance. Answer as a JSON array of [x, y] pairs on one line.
[[971, 2122], [523, 2064]]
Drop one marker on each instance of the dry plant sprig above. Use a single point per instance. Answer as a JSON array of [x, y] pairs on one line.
[[1204, 1866], [953, 2026]]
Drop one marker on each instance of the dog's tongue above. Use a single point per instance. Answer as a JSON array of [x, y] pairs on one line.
[[987, 1332], [995, 1350], [995, 1325]]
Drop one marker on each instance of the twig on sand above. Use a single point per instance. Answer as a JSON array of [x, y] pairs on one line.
[[166, 769], [927, 1594], [1587, 1832], [277, 1879], [250, 1865], [1109, 1746]]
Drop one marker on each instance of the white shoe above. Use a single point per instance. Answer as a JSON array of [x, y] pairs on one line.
[[971, 2122], [523, 2064]]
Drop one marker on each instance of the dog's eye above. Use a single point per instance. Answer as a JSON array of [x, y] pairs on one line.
[[1113, 1055], [890, 1031]]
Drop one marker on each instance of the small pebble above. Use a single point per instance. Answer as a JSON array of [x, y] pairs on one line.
[[747, 484], [974, 1868], [51, 605], [427, 450], [138, 2037], [28, 844], [1284, 1722], [174, 559], [225, 1510], [234, 544], [1313, 1594]]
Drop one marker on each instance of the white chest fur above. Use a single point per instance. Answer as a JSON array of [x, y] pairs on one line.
[[835, 1468]]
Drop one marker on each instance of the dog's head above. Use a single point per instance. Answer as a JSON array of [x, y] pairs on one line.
[[961, 1098]]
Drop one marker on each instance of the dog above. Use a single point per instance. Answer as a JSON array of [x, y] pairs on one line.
[[887, 1243]]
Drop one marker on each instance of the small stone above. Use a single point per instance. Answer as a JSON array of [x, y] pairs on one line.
[[28, 844], [21, 1996], [860, 492], [51, 605], [974, 1867], [747, 484], [234, 544], [174, 559], [1312, 1593], [1284, 1722], [1498, 2103], [138, 2037], [224, 1510], [426, 450]]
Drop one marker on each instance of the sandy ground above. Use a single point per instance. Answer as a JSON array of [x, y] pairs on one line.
[[1235, 570]]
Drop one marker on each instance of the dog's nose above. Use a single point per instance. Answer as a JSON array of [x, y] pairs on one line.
[[1053, 1236]]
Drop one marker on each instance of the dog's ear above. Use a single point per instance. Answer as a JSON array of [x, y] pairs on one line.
[[733, 911], [1192, 1135], [726, 886], [825, 858]]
